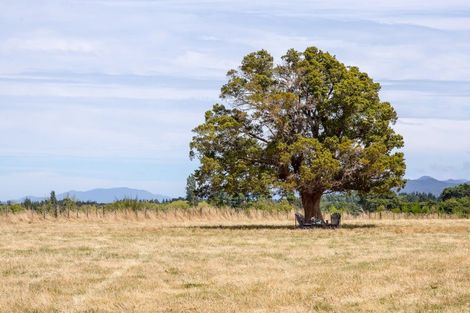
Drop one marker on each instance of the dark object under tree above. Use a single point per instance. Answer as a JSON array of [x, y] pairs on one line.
[[318, 223]]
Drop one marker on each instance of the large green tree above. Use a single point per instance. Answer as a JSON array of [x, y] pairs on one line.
[[310, 125]]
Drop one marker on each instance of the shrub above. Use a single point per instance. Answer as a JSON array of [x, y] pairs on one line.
[[284, 206], [459, 206], [333, 209], [203, 205], [15, 208], [271, 206], [262, 205], [178, 204], [459, 191]]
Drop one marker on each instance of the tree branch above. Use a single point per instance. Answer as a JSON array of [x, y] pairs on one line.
[[257, 137]]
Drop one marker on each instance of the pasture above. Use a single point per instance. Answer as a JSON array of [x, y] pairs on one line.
[[233, 264]]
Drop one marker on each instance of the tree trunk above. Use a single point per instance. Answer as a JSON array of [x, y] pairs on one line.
[[311, 204]]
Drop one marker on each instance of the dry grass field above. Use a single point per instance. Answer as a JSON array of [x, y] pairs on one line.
[[233, 264]]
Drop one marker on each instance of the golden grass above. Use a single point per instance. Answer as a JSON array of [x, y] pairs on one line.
[[232, 263]]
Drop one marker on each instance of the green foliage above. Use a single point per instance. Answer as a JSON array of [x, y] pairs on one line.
[[28, 204], [132, 204], [333, 209], [178, 204], [459, 191], [372, 202], [267, 205], [310, 124], [342, 202], [417, 197], [53, 204], [52, 198], [458, 206], [203, 205], [68, 204], [191, 187], [416, 203], [126, 204], [15, 208]]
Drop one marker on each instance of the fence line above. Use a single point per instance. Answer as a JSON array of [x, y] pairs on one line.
[[201, 213]]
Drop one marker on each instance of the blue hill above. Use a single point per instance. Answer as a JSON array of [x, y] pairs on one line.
[[106, 195], [429, 184]]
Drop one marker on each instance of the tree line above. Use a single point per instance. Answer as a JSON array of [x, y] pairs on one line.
[[452, 201], [69, 206]]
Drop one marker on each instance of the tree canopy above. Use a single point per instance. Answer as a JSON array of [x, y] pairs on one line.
[[459, 191], [309, 124]]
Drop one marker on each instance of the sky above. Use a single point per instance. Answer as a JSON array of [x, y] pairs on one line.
[[104, 93]]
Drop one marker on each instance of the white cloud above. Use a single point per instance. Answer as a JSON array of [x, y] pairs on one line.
[[45, 41], [436, 136], [295, 5], [99, 131], [434, 21], [428, 103], [192, 60], [436, 147], [42, 89]]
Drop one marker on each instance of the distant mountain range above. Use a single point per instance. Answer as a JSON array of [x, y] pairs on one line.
[[424, 184], [429, 184], [103, 195]]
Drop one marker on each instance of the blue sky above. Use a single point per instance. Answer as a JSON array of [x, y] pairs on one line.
[[104, 93]]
